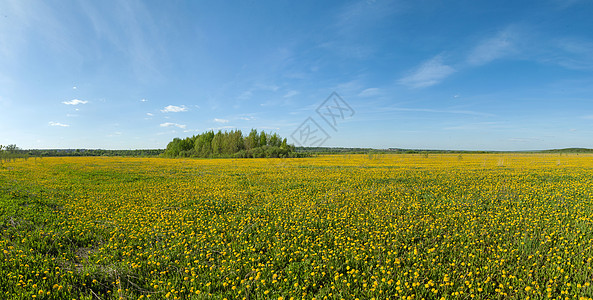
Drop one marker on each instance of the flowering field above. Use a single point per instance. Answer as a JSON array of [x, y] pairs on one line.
[[481, 226]]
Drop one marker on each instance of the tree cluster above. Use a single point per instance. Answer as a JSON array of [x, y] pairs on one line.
[[11, 152], [231, 144]]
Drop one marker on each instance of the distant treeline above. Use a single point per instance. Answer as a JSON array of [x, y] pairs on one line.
[[81, 152], [340, 150], [231, 144], [568, 150]]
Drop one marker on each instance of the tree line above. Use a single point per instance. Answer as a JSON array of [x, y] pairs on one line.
[[93, 152], [231, 144], [12, 151]]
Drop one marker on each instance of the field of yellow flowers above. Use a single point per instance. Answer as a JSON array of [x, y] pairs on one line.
[[481, 226]]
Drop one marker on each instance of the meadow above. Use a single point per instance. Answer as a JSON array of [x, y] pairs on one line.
[[479, 226]]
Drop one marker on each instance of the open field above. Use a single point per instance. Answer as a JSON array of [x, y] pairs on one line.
[[347, 226]]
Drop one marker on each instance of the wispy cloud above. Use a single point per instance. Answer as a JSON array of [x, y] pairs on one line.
[[563, 4], [245, 95], [444, 111], [149, 114], [173, 108], [220, 120], [493, 48], [348, 50], [351, 22], [478, 126], [247, 118], [267, 87], [571, 54], [117, 133], [291, 93], [140, 43], [26, 18], [369, 92], [514, 41], [525, 140], [429, 73], [356, 16], [256, 88], [143, 100], [75, 102], [169, 124], [58, 124]]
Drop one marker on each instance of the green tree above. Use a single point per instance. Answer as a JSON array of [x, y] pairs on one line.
[[263, 139], [252, 140], [203, 144], [217, 143], [274, 140], [12, 148]]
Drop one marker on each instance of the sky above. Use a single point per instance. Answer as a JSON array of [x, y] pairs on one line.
[[473, 75]]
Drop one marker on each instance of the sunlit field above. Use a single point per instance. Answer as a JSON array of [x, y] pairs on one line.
[[482, 226]]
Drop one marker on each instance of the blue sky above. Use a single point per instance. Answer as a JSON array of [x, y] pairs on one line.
[[497, 75]]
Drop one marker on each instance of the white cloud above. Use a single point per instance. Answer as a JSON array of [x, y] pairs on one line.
[[173, 108], [74, 87], [117, 133], [191, 130], [220, 120], [222, 127], [75, 102], [149, 114], [369, 92], [493, 48], [169, 124], [58, 124], [247, 118], [143, 100], [429, 73], [291, 93]]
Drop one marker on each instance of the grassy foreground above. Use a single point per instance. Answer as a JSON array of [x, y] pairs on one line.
[[487, 226]]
